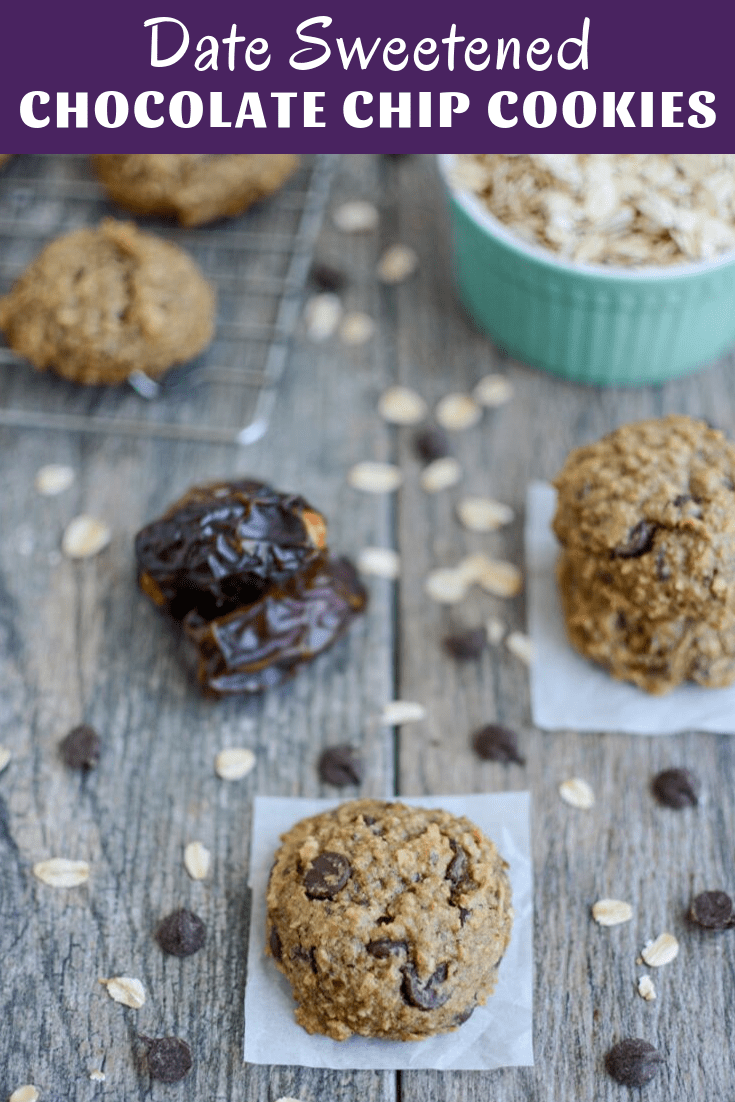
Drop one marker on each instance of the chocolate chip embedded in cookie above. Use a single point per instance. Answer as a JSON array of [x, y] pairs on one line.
[[192, 187], [100, 303], [646, 519], [389, 921]]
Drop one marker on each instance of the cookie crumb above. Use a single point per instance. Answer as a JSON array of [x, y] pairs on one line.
[[646, 989]]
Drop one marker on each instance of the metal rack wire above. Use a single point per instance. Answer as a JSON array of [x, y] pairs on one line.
[[259, 263]]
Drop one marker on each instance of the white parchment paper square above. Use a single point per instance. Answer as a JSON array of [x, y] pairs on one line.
[[570, 693], [498, 1034]]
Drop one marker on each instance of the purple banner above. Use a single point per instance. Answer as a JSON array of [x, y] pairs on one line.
[[325, 77]]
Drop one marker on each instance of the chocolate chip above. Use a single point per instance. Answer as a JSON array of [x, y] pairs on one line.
[[384, 948], [464, 914], [461, 1018], [424, 996], [713, 910], [633, 1062], [306, 956], [640, 541], [326, 277], [274, 941], [432, 443], [327, 875], [340, 766], [676, 788], [169, 1059], [465, 645], [682, 499], [80, 749], [182, 933], [496, 743]]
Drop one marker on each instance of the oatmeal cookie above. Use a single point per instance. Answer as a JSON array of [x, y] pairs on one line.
[[646, 519], [99, 303], [193, 187], [389, 921]]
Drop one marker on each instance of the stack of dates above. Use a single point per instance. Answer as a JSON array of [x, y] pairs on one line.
[[247, 573]]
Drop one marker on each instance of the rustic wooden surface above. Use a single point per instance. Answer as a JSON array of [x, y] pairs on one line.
[[80, 644]]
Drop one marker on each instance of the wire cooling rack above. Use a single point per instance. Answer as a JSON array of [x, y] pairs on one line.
[[259, 263]]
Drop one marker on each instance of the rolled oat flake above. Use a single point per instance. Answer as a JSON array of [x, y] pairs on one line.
[[633, 1062], [713, 910], [677, 788]]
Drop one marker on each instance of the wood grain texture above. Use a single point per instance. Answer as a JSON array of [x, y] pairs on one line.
[[80, 644]]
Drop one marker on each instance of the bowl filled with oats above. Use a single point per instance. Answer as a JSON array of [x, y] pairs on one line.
[[610, 269]]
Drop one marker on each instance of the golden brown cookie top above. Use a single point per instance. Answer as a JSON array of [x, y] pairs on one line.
[[389, 921]]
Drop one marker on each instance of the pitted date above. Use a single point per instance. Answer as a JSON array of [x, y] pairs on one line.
[[222, 545], [261, 645]]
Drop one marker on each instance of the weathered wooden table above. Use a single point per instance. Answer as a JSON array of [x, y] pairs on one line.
[[79, 643]]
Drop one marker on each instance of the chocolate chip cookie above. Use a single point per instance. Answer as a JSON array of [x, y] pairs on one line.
[[646, 519], [192, 187], [100, 303], [389, 921]]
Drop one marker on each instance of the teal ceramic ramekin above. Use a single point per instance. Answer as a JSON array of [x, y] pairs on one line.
[[591, 324]]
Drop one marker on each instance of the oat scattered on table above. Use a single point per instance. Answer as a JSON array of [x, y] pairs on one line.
[[126, 990], [646, 989], [54, 479], [520, 646], [577, 793], [356, 216], [397, 263], [440, 474], [60, 872], [381, 562], [401, 406], [493, 390], [356, 328], [322, 316], [483, 514], [661, 951], [375, 478], [234, 763], [85, 536], [26, 1093], [456, 412], [495, 629], [5, 756], [611, 912], [398, 712], [197, 860], [447, 585], [501, 579]]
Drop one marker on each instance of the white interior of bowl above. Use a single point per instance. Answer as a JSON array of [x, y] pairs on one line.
[[480, 214]]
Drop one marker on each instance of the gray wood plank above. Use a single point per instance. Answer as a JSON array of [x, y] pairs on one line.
[[627, 847], [81, 644]]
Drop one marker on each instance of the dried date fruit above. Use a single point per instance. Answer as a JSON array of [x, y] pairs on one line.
[[222, 544], [261, 645]]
